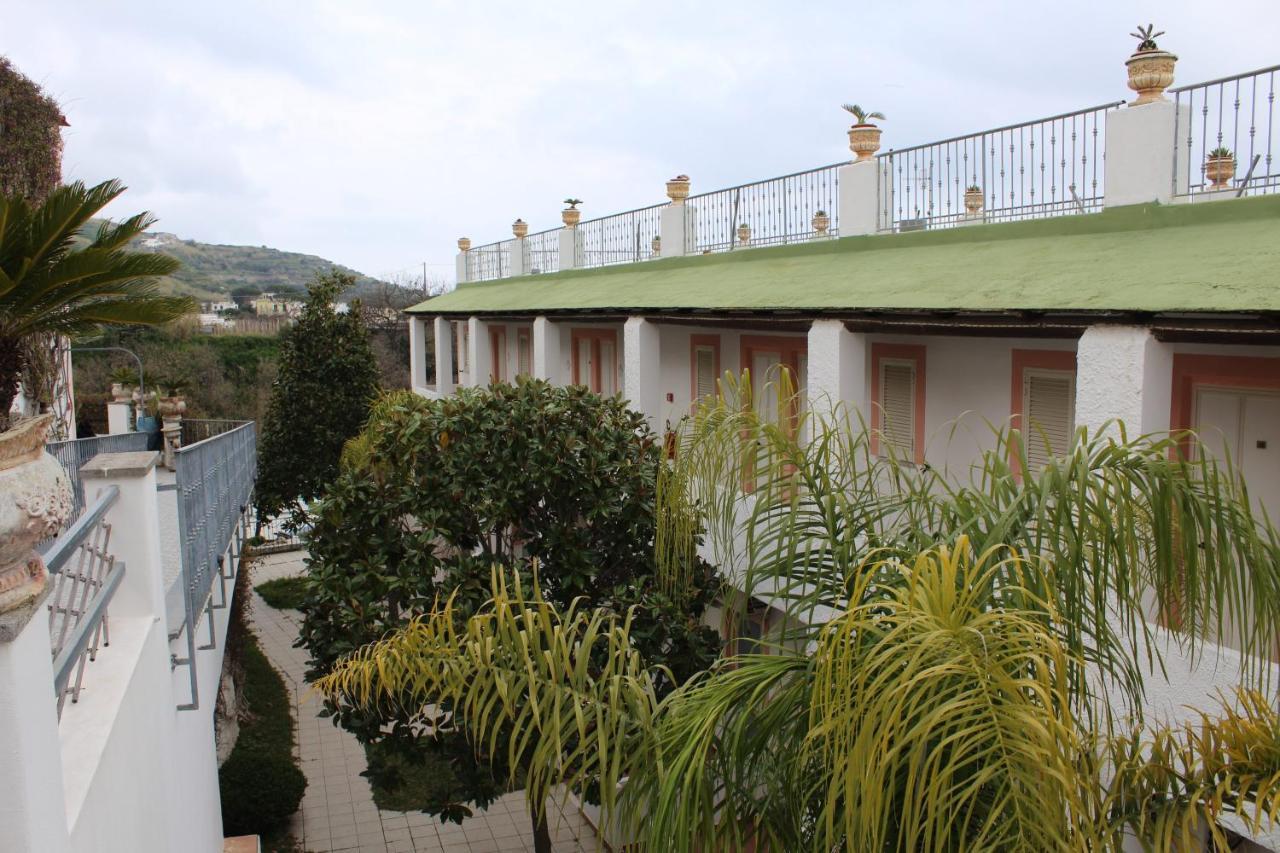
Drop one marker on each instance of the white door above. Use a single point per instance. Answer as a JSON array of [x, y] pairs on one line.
[[1246, 425], [764, 384]]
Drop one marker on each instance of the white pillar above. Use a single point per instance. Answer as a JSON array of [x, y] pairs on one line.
[[519, 257], [859, 197], [444, 355], [135, 528], [418, 377], [570, 248], [460, 267], [119, 418], [546, 351], [837, 361], [1123, 374], [1140, 145], [641, 369], [676, 227], [479, 356], [33, 813]]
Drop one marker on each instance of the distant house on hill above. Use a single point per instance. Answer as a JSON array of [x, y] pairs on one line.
[[271, 305]]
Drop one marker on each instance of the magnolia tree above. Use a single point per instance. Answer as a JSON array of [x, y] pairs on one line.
[[555, 484]]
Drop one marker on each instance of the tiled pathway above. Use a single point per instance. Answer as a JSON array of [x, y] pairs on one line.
[[337, 811]]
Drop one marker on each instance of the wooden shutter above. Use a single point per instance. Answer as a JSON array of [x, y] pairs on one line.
[[524, 358], [1048, 405], [898, 407], [705, 369]]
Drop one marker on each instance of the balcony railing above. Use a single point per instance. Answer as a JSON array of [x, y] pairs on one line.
[[776, 211], [1048, 167], [198, 429], [84, 576], [1236, 113], [75, 453], [490, 261], [620, 238], [542, 252]]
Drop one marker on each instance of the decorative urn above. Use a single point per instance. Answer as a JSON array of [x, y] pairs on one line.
[[35, 499], [864, 141], [744, 234], [172, 406], [656, 246], [1150, 68], [571, 216], [678, 189], [1220, 168], [464, 244], [973, 200], [520, 228], [821, 222]]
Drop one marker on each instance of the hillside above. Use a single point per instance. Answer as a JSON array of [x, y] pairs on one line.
[[211, 270]]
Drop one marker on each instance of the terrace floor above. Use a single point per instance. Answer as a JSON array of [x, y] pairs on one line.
[[338, 812]]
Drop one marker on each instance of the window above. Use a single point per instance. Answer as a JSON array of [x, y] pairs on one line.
[[524, 353], [704, 360], [595, 360], [497, 353], [1043, 402], [897, 400]]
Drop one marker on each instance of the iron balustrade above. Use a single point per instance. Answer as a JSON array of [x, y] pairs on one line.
[[84, 576], [1048, 167], [282, 533], [490, 261], [74, 453], [1237, 113], [619, 238], [214, 482], [198, 429], [776, 210], [542, 252]]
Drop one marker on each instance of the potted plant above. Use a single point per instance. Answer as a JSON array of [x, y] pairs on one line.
[[744, 234], [464, 244], [170, 400], [1150, 68], [678, 189], [973, 200], [123, 380], [520, 228], [1220, 168], [571, 216], [656, 245], [821, 222], [864, 137]]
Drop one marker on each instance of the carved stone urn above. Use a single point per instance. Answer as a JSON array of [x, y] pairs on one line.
[[864, 140], [744, 234], [973, 201], [121, 392], [1150, 73], [1220, 170], [171, 407], [656, 246], [678, 189], [35, 499], [464, 244], [821, 223], [520, 228], [571, 216]]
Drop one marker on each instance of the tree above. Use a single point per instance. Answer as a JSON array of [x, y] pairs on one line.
[[30, 137], [557, 482], [951, 695], [54, 282], [327, 380]]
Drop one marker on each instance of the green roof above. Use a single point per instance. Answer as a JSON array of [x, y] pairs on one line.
[[1213, 256]]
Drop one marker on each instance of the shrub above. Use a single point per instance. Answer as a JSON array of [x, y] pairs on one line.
[[283, 593]]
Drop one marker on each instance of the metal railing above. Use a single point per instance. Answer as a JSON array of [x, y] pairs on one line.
[[272, 536], [776, 210], [198, 429], [73, 454], [214, 481], [619, 238], [84, 576], [1236, 113], [542, 251], [1047, 167], [490, 261]]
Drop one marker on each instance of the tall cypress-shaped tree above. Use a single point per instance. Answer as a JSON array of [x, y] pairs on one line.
[[328, 378]]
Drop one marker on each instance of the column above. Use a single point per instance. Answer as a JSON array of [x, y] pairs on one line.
[[119, 417], [641, 368], [837, 370], [1139, 145], [570, 248], [479, 354], [676, 227], [418, 377], [135, 528], [546, 351], [460, 267], [444, 355], [519, 257], [859, 198], [1123, 374]]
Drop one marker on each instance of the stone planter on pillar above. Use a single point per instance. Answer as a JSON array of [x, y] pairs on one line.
[[1150, 68], [520, 229], [171, 409], [676, 226], [35, 499], [461, 271]]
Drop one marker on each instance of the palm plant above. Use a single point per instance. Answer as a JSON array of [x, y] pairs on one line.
[[860, 115], [55, 282], [950, 658]]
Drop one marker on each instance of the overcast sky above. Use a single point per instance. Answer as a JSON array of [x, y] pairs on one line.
[[377, 133]]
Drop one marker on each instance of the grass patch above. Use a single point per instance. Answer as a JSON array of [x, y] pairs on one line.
[[284, 593], [260, 782]]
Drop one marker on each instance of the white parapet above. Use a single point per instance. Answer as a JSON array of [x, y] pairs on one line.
[[519, 256], [460, 267], [570, 249], [859, 198], [444, 355], [119, 418], [641, 369], [546, 350], [676, 228], [1123, 374], [479, 355], [1140, 145]]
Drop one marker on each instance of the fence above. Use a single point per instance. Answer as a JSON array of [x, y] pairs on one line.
[[198, 429], [84, 576], [73, 454], [1048, 167], [620, 238], [776, 211], [215, 480], [490, 261], [278, 534], [542, 251], [1238, 114]]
